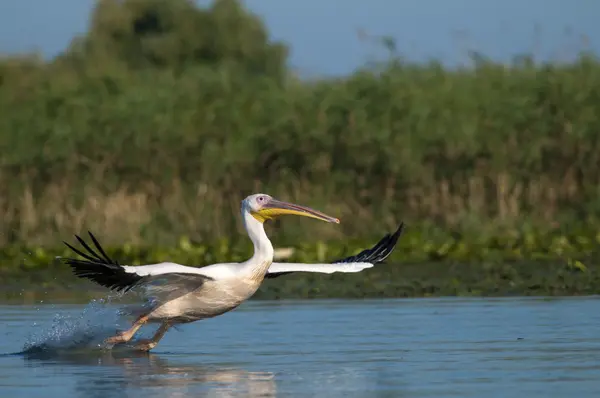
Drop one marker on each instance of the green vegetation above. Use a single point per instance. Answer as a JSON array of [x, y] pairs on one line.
[[424, 264], [163, 116]]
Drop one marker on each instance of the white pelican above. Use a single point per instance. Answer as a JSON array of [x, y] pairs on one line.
[[179, 294]]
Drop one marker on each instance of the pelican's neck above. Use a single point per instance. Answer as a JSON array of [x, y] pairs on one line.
[[263, 249]]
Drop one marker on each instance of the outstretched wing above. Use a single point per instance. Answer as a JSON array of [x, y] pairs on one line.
[[164, 279], [365, 259]]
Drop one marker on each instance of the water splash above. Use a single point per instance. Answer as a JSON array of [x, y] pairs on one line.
[[86, 330]]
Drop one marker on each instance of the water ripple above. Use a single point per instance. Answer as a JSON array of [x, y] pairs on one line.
[[375, 348]]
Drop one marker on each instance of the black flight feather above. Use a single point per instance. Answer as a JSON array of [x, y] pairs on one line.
[[101, 269], [375, 255]]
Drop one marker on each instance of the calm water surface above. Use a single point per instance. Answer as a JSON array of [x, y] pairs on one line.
[[364, 348]]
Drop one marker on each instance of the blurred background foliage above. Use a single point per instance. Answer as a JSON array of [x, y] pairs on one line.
[[158, 121]]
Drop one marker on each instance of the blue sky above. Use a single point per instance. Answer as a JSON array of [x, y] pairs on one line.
[[323, 34]]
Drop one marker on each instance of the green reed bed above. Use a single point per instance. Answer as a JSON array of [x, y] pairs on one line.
[[425, 263], [146, 131], [165, 156], [159, 120]]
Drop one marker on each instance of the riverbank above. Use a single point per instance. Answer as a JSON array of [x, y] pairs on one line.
[[426, 263], [109, 138], [152, 134], [398, 280]]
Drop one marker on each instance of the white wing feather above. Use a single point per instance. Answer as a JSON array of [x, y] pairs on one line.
[[109, 273], [215, 271], [363, 260], [159, 269], [223, 270], [322, 268]]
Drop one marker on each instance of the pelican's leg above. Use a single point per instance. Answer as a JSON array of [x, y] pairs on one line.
[[126, 335], [147, 345]]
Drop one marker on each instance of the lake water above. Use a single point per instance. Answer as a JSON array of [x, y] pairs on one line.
[[350, 348]]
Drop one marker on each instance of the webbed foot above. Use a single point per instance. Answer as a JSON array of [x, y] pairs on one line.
[[145, 345]]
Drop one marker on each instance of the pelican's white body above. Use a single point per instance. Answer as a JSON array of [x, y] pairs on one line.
[[176, 293], [230, 284]]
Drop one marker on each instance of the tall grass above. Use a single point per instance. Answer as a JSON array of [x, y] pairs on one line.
[[149, 156], [146, 154]]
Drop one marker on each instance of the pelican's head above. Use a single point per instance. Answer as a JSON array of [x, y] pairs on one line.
[[264, 207]]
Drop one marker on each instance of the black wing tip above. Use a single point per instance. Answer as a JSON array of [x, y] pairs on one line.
[[398, 233], [380, 251], [390, 245], [99, 268], [400, 228], [375, 255], [114, 279], [91, 255]]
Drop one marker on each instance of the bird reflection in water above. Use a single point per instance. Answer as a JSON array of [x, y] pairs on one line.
[[143, 372]]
